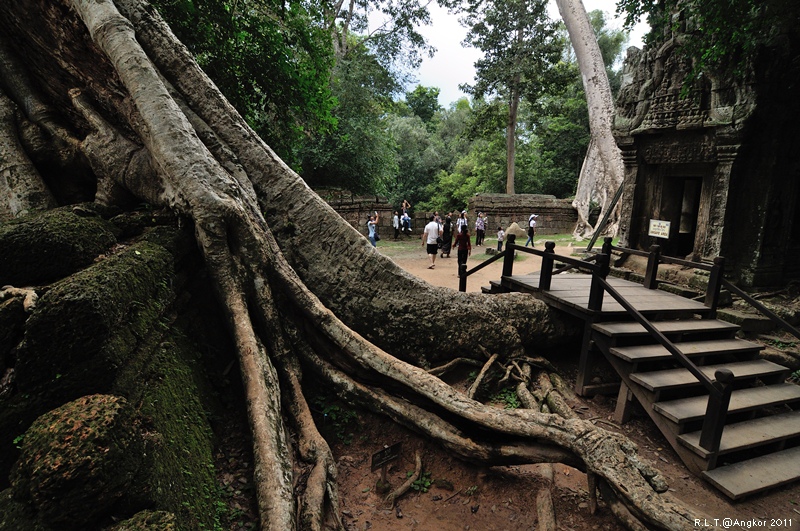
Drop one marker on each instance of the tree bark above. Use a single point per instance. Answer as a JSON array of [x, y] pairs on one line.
[[300, 288], [602, 171]]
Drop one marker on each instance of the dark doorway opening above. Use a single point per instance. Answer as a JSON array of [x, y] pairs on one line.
[[687, 228]]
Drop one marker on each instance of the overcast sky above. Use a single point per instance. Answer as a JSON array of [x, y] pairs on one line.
[[453, 62]]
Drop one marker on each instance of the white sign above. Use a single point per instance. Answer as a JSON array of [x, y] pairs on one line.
[[658, 228]]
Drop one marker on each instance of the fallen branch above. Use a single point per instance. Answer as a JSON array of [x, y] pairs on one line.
[[442, 369], [402, 489], [474, 387]]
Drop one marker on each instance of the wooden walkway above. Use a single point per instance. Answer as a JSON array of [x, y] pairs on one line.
[[570, 292], [728, 414]]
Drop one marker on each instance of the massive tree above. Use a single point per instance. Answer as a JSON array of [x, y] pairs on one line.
[[102, 95], [521, 56], [602, 171]]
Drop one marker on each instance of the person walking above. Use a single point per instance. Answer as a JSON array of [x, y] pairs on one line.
[[464, 246], [447, 235], [501, 237], [396, 224], [480, 230], [429, 238], [372, 225], [461, 221], [531, 231]]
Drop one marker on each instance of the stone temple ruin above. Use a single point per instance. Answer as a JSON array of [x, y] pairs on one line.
[[714, 163]]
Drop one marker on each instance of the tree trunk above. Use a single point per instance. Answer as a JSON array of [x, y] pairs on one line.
[[603, 171], [301, 289], [511, 137]]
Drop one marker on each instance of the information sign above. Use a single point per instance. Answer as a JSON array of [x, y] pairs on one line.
[[658, 228]]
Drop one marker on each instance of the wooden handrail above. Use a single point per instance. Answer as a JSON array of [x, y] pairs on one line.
[[763, 309], [719, 391]]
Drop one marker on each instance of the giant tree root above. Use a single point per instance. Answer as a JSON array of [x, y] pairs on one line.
[[223, 187]]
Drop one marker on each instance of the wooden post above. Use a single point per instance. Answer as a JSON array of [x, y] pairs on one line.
[[508, 259], [596, 291], [714, 285], [651, 276], [546, 274], [607, 247], [462, 277], [716, 412]]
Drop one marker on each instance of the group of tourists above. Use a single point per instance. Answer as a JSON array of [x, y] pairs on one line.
[[443, 234]]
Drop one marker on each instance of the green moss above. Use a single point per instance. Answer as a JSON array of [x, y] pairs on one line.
[[15, 515], [168, 384], [147, 521], [88, 324], [78, 460], [51, 245]]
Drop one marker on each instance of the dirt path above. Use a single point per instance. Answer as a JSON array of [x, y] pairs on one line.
[[410, 255]]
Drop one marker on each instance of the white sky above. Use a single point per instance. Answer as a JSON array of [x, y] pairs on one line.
[[453, 62]]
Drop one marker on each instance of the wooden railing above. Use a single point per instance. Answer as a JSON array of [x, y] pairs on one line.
[[761, 308], [719, 390], [598, 265]]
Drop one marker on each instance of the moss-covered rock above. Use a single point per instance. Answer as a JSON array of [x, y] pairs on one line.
[[51, 245], [78, 460], [15, 515], [147, 521], [82, 331], [85, 327], [117, 328]]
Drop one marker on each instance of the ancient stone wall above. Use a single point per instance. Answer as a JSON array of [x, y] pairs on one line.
[[556, 216], [356, 210]]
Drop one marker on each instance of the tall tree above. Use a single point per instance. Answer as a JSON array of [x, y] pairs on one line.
[[424, 102], [602, 172], [111, 86], [521, 55]]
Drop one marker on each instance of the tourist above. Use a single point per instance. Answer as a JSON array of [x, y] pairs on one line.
[[447, 235], [531, 227], [430, 236], [372, 225], [501, 236], [396, 224], [464, 246], [461, 221], [406, 223], [405, 207], [480, 230]]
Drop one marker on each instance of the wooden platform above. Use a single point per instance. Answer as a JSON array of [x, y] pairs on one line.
[[760, 438], [570, 292]]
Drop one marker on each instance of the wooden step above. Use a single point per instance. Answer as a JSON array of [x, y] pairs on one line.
[[749, 434], [695, 348], [694, 408], [684, 326], [679, 378], [749, 477]]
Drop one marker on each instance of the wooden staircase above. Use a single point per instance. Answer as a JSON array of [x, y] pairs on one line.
[[728, 414], [760, 444]]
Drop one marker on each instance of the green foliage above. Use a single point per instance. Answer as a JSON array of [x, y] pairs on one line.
[[421, 484], [424, 102], [338, 419], [271, 59], [508, 397], [719, 34], [358, 154]]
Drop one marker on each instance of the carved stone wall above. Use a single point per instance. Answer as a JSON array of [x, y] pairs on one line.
[[734, 139], [556, 216]]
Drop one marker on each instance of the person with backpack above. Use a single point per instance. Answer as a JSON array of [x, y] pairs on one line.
[[372, 226]]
